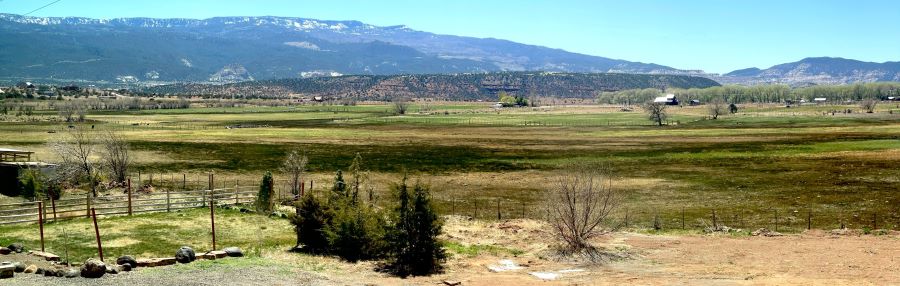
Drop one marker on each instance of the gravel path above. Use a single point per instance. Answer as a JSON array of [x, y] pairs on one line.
[[174, 275]]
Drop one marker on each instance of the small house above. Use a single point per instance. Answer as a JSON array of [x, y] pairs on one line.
[[820, 100], [695, 102], [669, 99]]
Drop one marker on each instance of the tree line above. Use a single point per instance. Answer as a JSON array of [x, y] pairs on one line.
[[759, 94]]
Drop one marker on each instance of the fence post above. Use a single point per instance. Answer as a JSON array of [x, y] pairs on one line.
[[874, 221], [682, 218], [97, 234], [475, 215], [236, 194], [809, 219], [775, 212], [523, 210], [183, 181], [88, 204], [129, 195], [212, 217], [53, 203], [168, 203], [715, 223], [40, 207], [498, 209]]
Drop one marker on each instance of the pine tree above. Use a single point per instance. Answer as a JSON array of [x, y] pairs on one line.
[[264, 197], [311, 224], [339, 189], [414, 244]]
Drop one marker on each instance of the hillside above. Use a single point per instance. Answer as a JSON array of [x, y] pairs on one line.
[[449, 87], [823, 70], [147, 51]]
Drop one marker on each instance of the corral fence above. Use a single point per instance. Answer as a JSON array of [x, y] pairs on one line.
[[173, 192], [782, 219]]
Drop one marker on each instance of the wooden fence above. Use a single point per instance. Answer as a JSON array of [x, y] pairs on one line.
[[126, 204]]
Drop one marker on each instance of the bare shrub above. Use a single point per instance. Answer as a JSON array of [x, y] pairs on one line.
[[75, 149], [716, 107], [580, 203], [400, 104], [294, 165], [656, 111], [868, 105], [115, 154]]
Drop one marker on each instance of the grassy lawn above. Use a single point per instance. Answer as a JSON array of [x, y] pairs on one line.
[[155, 235]]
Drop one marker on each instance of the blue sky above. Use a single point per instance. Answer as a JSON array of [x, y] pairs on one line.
[[713, 35]]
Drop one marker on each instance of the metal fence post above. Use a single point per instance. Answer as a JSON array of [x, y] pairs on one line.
[[40, 209], [129, 195]]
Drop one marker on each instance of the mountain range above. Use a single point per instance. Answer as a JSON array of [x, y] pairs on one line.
[[150, 51], [821, 70]]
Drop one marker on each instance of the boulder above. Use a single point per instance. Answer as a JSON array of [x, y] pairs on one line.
[[233, 251], [125, 267], [112, 269], [7, 271], [71, 273], [20, 267], [185, 255], [16, 247], [50, 272], [213, 255], [5, 250], [30, 269], [93, 268], [127, 260]]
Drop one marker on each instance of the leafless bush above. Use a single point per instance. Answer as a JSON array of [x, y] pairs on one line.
[[580, 203], [868, 105], [716, 107], [401, 104], [115, 154], [656, 111], [72, 111], [75, 149], [294, 165]]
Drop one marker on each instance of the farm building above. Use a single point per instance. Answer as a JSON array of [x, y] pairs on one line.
[[669, 99], [12, 161], [820, 100]]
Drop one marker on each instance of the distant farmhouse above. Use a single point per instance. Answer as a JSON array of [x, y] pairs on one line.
[[669, 99], [820, 100]]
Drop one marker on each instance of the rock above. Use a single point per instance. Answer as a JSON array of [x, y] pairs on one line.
[[110, 269], [144, 262], [213, 255], [125, 267], [127, 260], [50, 272], [16, 247], [233, 251], [452, 283], [93, 268], [185, 255], [166, 261], [30, 269], [7, 271], [20, 267], [39, 271], [71, 273], [4, 250], [765, 232], [45, 255]]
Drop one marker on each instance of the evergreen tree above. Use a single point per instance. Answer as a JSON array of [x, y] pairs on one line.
[[311, 224], [339, 189], [413, 242], [264, 198]]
